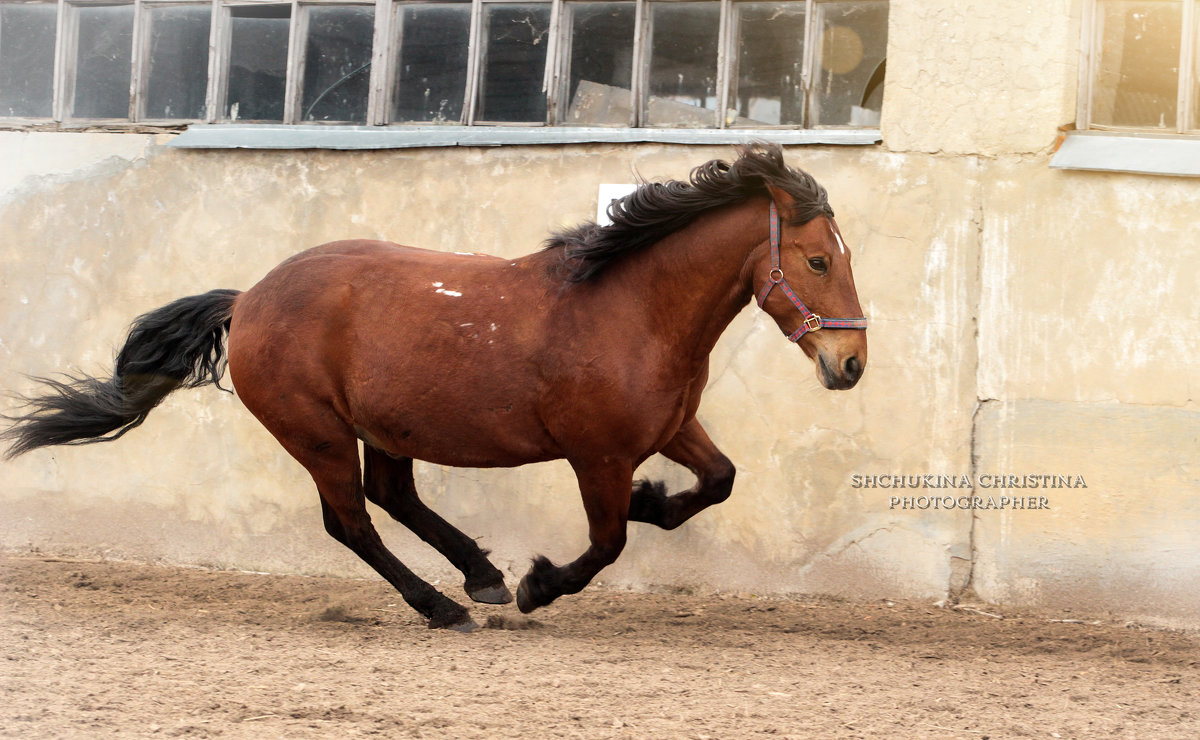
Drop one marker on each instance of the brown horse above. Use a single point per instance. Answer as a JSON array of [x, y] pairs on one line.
[[594, 349]]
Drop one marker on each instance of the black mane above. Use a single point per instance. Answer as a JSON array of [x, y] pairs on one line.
[[657, 209]]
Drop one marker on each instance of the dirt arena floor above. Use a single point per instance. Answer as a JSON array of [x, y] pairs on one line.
[[109, 649]]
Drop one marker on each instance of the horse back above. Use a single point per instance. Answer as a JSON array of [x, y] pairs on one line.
[[422, 353]]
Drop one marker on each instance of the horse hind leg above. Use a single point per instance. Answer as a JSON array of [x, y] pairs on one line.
[[388, 483], [336, 472]]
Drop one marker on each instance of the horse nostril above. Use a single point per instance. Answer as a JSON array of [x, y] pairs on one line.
[[852, 367]]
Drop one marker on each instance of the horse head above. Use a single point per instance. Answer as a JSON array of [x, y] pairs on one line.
[[804, 282]]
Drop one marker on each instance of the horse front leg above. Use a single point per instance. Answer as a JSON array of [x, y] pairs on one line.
[[691, 448], [605, 489]]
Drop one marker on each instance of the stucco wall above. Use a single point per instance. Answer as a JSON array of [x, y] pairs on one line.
[[979, 77], [1025, 321]]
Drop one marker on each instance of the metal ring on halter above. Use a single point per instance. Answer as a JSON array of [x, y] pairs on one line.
[[771, 275]]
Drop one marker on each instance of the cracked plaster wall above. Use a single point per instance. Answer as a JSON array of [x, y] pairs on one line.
[[979, 77], [1089, 339]]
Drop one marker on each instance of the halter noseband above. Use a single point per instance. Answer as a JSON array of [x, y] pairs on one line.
[[812, 322]]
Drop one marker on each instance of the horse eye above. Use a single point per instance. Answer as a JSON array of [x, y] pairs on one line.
[[818, 265]]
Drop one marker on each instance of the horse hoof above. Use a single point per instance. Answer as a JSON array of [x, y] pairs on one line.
[[492, 595], [524, 601], [466, 626]]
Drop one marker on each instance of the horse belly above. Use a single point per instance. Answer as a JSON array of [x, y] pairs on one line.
[[452, 395], [455, 427]]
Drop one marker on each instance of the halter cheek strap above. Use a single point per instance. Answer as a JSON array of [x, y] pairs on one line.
[[812, 322]]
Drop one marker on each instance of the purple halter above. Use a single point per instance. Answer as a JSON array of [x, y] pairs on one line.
[[812, 322]]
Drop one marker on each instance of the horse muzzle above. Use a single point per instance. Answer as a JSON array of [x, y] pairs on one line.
[[837, 370], [839, 376]]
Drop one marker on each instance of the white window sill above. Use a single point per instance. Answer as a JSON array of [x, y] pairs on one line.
[[274, 136], [1144, 154]]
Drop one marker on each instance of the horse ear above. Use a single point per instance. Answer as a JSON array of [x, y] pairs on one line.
[[784, 203]]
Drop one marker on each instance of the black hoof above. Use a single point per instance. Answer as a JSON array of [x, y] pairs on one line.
[[525, 602], [540, 585], [498, 594], [452, 616], [466, 626]]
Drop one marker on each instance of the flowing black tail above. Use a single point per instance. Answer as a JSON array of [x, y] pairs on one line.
[[178, 345]]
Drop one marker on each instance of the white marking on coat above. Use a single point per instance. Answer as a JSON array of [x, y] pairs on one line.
[[841, 244], [451, 293]]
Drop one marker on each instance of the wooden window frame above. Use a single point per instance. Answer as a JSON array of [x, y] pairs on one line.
[[385, 49]]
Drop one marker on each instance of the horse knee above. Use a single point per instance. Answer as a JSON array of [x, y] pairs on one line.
[[720, 483]]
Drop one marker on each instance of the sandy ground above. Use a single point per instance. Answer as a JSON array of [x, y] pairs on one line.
[[108, 649]]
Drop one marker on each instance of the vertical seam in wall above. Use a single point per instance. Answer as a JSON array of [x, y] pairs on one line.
[[966, 587]]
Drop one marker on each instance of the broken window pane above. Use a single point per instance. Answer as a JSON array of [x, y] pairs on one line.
[[851, 47], [1137, 67], [27, 59], [103, 61], [600, 65], [177, 65], [514, 62], [258, 48], [337, 63], [431, 71], [769, 87], [683, 63]]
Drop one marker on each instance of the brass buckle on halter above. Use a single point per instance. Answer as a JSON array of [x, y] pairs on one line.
[[813, 323]]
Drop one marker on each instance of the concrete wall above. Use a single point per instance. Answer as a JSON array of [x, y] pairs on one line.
[[1024, 321]]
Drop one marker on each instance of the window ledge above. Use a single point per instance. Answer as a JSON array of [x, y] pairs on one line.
[[268, 136], [1144, 154]]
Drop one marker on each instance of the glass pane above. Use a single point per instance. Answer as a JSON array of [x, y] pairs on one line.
[[258, 48], [337, 63], [683, 63], [514, 62], [769, 87], [1137, 64], [27, 59], [103, 61], [177, 66], [1194, 124], [600, 75], [851, 48], [431, 72]]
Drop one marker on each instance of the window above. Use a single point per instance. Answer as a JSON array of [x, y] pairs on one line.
[[102, 37], [1140, 66], [176, 77], [598, 81], [27, 59], [708, 64], [337, 62]]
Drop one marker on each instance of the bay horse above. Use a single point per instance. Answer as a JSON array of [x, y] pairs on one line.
[[594, 349]]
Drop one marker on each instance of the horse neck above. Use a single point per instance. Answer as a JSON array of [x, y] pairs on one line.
[[695, 281]]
